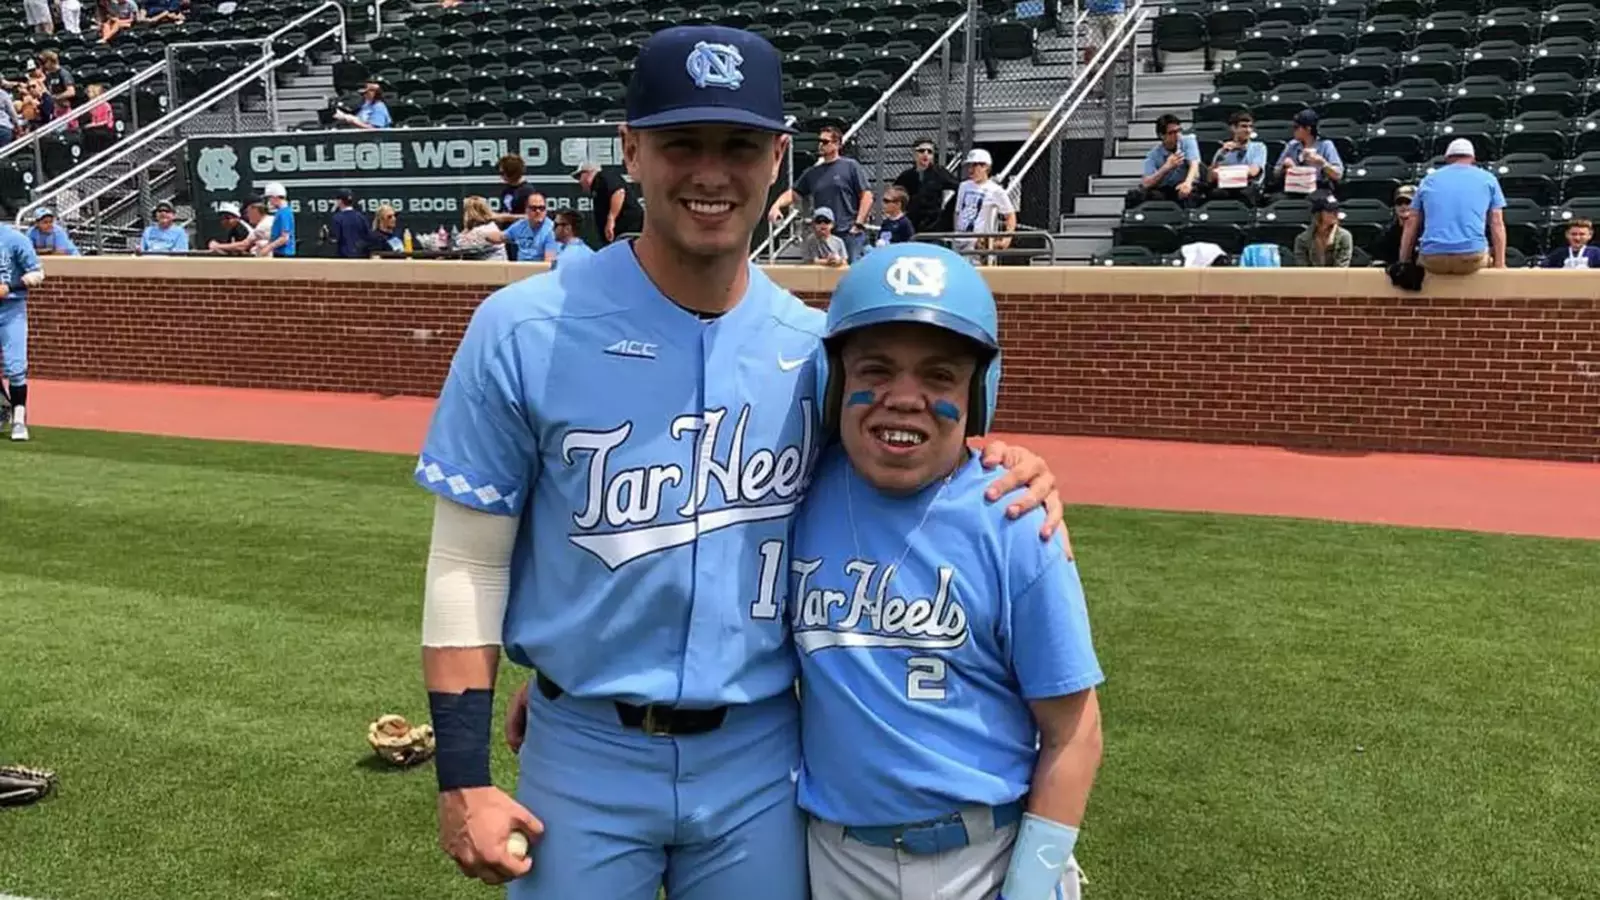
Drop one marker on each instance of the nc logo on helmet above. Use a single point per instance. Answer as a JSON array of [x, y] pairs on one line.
[[919, 276], [715, 65]]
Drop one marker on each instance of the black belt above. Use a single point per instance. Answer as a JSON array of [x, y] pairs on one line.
[[655, 719]]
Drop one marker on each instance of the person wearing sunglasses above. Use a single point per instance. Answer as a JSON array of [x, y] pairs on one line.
[[928, 186]]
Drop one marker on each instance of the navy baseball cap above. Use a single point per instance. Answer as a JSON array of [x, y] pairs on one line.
[[707, 75]]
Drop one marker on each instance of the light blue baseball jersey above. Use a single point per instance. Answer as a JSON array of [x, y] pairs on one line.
[[921, 649], [655, 459], [17, 258]]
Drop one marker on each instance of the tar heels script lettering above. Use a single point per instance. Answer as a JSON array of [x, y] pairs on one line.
[[873, 616], [628, 513]]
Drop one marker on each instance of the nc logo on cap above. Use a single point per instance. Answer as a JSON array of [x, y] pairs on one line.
[[715, 65], [921, 276]]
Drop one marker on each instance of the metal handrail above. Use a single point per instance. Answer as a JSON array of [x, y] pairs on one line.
[[377, 17], [94, 198], [1087, 78], [61, 123], [768, 244], [177, 117], [1098, 68]]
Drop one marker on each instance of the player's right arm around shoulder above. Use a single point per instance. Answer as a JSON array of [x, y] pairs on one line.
[[464, 601]]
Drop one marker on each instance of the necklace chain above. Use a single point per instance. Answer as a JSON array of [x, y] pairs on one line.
[[855, 536]]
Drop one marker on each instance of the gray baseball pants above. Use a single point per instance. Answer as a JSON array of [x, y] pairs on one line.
[[843, 868]]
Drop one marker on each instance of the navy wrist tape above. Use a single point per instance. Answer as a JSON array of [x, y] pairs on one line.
[[461, 724]]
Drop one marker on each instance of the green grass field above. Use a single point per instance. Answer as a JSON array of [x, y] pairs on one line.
[[196, 634]]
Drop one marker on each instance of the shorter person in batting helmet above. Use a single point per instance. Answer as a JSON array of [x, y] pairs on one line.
[[950, 725]]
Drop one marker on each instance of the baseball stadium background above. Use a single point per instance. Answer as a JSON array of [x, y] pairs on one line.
[[1338, 539]]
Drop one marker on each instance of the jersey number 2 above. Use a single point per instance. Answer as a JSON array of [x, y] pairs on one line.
[[925, 678], [766, 605]]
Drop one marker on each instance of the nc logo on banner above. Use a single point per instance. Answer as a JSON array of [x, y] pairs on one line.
[[921, 276], [218, 167], [715, 65]]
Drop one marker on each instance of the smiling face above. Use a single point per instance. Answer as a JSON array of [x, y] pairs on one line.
[[903, 418], [165, 218], [705, 186]]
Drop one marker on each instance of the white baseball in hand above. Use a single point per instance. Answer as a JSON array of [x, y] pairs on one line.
[[517, 845], [33, 279]]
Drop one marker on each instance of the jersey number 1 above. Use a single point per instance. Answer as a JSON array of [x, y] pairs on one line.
[[766, 605]]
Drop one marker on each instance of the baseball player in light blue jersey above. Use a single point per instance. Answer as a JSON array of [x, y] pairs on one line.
[[19, 270], [951, 729], [618, 451]]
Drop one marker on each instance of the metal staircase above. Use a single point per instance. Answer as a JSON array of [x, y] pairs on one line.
[[1087, 229], [106, 200]]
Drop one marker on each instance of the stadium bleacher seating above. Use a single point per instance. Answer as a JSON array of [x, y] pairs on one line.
[[129, 52], [1393, 82], [549, 61]]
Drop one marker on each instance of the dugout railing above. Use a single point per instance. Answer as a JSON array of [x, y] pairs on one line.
[[81, 115]]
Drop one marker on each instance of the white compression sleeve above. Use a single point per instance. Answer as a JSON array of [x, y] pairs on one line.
[[468, 577]]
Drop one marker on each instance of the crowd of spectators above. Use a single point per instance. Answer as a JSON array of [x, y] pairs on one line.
[[47, 92]]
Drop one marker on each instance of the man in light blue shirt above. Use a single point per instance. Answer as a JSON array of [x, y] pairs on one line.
[[281, 241], [1172, 168], [533, 235], [1240, 150], [1458, 211], [568, 245], [1308, 148], [165, 236], [49, 237], [373, 114]]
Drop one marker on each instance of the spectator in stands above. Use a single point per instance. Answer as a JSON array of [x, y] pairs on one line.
[[38, 16], [235, 234], [116, 15], [101, 116], [50, 237], [1242, 149], [1307, 148], [166, 235], [479, 231], [1101, 19], [281, 237], [838, 183], [1171, 168], [514, 190], [982, 205], [569, 245], [72, 16], [822, 247], [1577, 254], [1459, 211], [896, 227], [616, 210], [1388, 246], [1324, 244], [155, 12], [533, 237], [257, 230], [928, 185], [374, 113], [352, 236], [385, 224], [11, 121], [57, 78]]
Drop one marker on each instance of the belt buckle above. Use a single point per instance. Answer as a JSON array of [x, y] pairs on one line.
[[650, 726]]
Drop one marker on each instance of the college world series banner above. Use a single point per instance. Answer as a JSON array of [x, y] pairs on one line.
[[424, 173]]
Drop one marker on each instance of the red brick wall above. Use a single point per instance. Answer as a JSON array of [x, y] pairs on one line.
[[1504, 376]]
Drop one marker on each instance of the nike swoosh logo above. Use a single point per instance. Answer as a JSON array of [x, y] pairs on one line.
[[789, 365]]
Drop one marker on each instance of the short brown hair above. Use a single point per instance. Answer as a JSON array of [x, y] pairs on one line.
[[511, 167], [826, 130], [1580, 223], [48, 56], [895, 193], [571, 218]]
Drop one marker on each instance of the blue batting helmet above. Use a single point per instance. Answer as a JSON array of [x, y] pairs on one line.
[[915, 282]]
